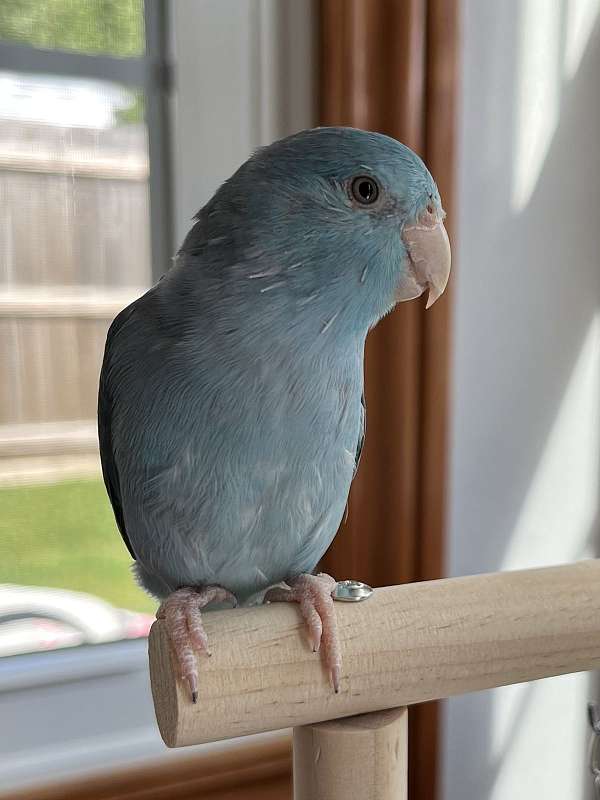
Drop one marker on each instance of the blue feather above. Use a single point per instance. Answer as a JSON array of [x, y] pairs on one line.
[[230, 410]]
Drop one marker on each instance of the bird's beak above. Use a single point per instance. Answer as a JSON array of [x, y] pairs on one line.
[[428, 250]]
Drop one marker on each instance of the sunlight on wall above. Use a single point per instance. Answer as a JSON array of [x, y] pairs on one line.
[[581, 18], [561, 505], [528, 714], [555, 524], [525, 474], [538, 93]]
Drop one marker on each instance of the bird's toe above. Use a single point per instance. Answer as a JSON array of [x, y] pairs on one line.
[[195, 627], [181, 612], [330, 640], [313, 595]]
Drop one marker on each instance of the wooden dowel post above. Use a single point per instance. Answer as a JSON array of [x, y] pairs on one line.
[[363, 757], [404, 645]]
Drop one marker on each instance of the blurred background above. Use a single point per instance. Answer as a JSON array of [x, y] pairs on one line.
[[118, 120]]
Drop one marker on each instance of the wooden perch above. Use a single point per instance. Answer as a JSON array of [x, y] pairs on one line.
[[363, 757], [404, 645]]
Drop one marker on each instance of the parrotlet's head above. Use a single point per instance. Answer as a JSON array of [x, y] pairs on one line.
[[334, 224]]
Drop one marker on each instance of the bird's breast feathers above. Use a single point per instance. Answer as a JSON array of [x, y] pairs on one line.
[[252, 488]]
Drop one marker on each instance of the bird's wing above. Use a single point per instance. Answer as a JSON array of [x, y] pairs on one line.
[[105, 412], [361, 434]]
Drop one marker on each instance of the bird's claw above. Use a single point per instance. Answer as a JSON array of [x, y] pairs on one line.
[[313, 595], [183, 620]]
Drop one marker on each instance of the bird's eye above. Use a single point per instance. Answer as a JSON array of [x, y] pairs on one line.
[[364, 190]]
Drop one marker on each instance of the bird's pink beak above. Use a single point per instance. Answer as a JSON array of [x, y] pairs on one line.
[[428, 249]]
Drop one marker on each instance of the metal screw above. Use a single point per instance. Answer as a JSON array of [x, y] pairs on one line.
[[594, 749], [351, 591]]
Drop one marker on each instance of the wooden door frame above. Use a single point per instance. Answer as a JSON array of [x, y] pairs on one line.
[[257, 771], [391, 66]]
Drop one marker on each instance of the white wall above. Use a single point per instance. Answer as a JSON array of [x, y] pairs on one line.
[[524, 472]]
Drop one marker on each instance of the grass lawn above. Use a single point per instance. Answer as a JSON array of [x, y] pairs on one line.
[[65, 536]]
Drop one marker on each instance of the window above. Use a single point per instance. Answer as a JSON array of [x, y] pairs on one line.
[[84, 221]]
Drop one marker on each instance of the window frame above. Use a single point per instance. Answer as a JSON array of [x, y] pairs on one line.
[[121, 665], [232, 75]]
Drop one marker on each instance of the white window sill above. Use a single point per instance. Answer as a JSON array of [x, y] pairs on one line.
[[81, 710]]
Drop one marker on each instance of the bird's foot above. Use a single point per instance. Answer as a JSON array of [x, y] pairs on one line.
[[181, 613], [313, 594]]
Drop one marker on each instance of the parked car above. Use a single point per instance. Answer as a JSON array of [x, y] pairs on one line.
[[36, 618]]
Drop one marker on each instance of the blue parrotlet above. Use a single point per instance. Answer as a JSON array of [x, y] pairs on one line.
[[231, 412]]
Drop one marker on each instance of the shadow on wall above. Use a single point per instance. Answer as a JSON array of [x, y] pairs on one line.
[[526, 435]]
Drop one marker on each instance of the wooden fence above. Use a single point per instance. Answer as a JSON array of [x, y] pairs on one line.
[[74, 250]]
